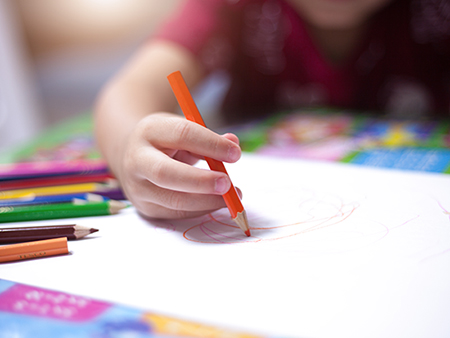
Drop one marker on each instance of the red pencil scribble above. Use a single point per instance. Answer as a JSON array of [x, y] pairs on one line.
[[444, 210], [311, 214], [442, 252]]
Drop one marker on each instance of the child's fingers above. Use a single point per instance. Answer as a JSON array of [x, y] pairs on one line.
[[231, 137], [157, 173], [174, 204], [185, 135], [187, 157], [158, 202], [164, 172], [157, 211]]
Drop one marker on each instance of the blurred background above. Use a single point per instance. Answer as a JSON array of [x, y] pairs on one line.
[[56, 54]]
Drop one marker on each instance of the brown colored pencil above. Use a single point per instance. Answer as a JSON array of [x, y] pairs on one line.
[[30, 250], [191, 112], [35, 233]]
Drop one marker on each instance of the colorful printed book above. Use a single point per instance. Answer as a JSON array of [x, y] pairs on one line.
[[332, 135], [319, 134], [66, 149], [30, 312], [71, 140]]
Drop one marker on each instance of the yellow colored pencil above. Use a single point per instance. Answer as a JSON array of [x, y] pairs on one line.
[[56, 190]]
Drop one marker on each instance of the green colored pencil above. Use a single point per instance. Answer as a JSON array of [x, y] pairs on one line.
[[59, 210]]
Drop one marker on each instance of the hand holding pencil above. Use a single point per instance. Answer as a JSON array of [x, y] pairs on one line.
[[154, 164], [191, 112]]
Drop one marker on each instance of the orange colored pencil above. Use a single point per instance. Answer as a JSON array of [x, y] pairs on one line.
[[36, 249], [192, 113]]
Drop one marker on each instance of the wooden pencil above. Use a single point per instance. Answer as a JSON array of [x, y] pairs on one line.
[[59, 210], [28, 183], [35, 233], [51, 168], [36, 249], [192, 113], [65, 198], [58, 189]]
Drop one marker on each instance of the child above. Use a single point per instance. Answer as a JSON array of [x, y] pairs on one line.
[[380, 55]]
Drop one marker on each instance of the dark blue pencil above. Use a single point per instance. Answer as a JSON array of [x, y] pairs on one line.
[[23, 201]]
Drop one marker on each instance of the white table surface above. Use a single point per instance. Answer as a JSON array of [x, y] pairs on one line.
[[337, 251]]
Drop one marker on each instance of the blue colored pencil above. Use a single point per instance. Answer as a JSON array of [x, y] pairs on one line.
[[35, 200]]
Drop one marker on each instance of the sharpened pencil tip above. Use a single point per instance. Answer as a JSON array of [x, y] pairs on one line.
[[92, 230], [241, 220]]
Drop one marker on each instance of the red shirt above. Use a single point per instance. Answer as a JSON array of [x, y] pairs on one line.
[[402, 65]]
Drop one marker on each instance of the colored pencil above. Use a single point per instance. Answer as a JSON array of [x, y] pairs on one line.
[[28, 183], [59, 210], [36, 249], [51, 168], [114, 194], [35, 233], [192, 113], [58, 190], [34, 200]]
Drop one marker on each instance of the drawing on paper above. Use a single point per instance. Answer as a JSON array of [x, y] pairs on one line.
[[310, 221], [444, 210], [306, 213]]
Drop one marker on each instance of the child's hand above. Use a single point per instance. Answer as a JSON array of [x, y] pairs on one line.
[[156, 170]]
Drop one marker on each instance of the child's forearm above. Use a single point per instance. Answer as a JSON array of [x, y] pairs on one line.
[[118, 111], [139, 90]]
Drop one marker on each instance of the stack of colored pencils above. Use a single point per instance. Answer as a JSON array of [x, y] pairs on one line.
[[57, 189]]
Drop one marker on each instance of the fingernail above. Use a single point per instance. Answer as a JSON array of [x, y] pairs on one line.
[[234, 154], [222, 185]]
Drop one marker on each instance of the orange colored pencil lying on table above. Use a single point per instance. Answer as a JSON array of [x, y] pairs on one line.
[[192, 113], [36, 249]]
